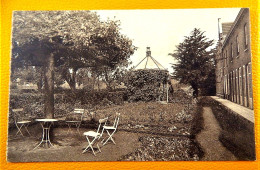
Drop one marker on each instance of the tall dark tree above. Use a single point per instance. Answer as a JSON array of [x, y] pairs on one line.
[[195, 62]]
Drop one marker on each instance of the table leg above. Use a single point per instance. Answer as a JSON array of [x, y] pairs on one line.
[[45, 135], [42, 137]]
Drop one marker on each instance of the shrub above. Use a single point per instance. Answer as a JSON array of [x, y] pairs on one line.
[[145, 85], [65, 101]]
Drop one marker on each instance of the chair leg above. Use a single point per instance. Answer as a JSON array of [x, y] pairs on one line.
[[27, 129], [69, 130], [109, 138], [98, 148], [85, 149], [90, 145], [19, 130], [78, 125]]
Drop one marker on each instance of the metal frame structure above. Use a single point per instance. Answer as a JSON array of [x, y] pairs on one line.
[[46, 125]]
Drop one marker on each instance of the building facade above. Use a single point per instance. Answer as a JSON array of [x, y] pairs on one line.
[[233, 61]]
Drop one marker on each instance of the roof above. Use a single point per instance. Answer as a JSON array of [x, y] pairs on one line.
[[242, 10], [149, 63], [226, 27]]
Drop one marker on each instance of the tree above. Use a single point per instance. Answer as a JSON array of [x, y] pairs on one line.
[[108, 51], [41, 37], [113, 51], [28, 74], [195, 61], [68, 40]]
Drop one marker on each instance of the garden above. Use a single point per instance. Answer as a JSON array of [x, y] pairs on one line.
[[147, 131], [81, 64]]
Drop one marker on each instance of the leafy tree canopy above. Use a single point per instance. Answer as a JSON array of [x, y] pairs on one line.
[[77, 38], [68, 39], [195, 60]]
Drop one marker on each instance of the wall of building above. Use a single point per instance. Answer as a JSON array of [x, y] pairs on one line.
[[219, 73], [233, 69], [237, 132]]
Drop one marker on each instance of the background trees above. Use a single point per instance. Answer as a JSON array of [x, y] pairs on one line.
[[67, 40], [195, 62]]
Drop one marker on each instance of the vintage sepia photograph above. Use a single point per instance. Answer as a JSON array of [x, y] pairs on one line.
[[131, 85]]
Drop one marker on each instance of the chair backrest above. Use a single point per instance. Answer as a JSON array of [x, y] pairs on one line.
[[77, 114], [102, 123], [116, 120], [17, 114], [92, 114]]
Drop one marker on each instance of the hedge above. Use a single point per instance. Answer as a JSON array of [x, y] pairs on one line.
[[144, 85], [65, 102]]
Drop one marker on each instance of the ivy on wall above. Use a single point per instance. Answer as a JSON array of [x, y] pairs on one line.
[[146, 85]]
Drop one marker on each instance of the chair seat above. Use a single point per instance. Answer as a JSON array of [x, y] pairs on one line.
[[109, 127], [91, 133], [23, 122], [73, 121]]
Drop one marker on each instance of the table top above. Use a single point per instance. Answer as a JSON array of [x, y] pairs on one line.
[[46, 120]]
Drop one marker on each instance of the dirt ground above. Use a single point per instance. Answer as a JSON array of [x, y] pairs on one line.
[[68, 147], [209, 139]]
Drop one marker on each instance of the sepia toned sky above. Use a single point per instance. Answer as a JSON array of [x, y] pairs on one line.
[[162, 30]]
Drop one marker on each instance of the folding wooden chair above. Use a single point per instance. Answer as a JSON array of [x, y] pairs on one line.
[[19, 122], [75, 118], [112, 130], [95, 135]]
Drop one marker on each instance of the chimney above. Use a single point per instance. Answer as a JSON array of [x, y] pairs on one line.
[[219, 29], [148, 52]]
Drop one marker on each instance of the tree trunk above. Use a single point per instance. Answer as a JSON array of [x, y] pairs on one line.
[[196, 90], [72, 79], [49, 87], [40, 80], [93, 82], [98, 83]]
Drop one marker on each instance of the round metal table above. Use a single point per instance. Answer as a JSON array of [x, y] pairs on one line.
[[46, 124]]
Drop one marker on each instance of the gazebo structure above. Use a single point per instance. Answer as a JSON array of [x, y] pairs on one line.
[[150, 79], [149, 62]]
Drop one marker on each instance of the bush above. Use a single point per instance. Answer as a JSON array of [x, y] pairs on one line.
[[145, 85], [33, 105]]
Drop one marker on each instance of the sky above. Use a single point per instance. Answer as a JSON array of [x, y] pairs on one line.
[[163, 29]]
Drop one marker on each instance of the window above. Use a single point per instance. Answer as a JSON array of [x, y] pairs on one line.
[[245, 36], [224, 57], [227, 57], [231, 51], [237, 43]]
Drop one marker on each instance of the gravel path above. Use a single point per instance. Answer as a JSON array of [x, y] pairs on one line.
[[209, 139], [70, 148]]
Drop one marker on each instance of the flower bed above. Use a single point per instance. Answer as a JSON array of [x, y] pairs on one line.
[[161, 148]]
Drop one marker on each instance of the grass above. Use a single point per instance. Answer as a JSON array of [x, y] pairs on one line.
[[143, 113]]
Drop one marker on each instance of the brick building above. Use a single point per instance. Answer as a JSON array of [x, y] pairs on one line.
[[233, 61]]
